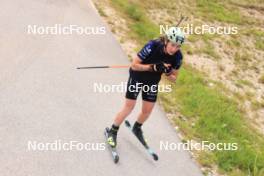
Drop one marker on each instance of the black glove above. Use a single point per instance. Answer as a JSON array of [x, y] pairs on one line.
[[168, 70], [159, 67]]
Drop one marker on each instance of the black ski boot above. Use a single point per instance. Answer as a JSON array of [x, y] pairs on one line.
[[112, 135], [139, 133]]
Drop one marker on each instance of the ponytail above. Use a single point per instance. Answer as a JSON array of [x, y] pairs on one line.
[[163, 39]]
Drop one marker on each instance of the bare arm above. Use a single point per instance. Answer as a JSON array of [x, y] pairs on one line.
[[138, 66], [173, 76]]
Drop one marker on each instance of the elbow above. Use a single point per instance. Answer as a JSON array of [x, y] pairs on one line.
[[172, 78], [133, 66]]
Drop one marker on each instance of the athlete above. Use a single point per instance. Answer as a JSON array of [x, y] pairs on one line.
[[157, 57]]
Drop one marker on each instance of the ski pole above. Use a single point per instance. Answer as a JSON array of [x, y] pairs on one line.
[[105, 66], [181, 19]]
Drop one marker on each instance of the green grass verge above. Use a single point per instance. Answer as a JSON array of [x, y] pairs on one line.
[[216, 120], [215, 10], [216, 117], [142, 28]]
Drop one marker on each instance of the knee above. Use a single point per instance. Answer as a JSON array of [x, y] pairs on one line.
[[145, 112], [129, 107]]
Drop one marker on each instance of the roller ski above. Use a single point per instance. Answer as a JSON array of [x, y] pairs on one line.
[[139, 135], [111, 142]]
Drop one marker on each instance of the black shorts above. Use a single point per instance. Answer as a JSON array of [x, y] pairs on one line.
[[148, 88]]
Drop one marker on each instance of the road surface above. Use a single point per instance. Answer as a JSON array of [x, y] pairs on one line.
[[44, 99]]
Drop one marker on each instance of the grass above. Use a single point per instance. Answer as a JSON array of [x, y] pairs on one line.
[[259, 44], [258, 36], [188, 48], [256, 105], [209, 50], [216, 117], [215, 10], [261, 79], [242, 83], [194, 38], [206, 49], [249, 95], [242, 59], [208, 46], [100, 10], [142, 28], [234, 43], [219, 121]]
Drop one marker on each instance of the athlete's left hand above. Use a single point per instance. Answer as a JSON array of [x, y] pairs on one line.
[[168, 69]]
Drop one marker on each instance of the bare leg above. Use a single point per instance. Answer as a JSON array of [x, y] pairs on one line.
[[145, 111], [143, 116], [126, 110]]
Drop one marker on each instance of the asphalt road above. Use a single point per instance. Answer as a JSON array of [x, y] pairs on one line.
[[44, 98]]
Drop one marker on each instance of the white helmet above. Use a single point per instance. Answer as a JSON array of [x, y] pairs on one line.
[[175, 35]]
